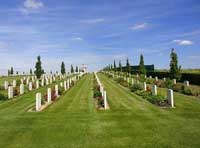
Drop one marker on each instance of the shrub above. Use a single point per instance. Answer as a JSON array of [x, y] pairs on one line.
[[2, 87], [97, 94], [149, 81], [100, 102], [2, 97], [157, 99], [18, 82], [178, 87], [60, 90], [16, 91], [136, 87], [122, 82], [187, 90]]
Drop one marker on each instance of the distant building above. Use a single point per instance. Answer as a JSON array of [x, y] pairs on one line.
[[135, 69], [84, 68]]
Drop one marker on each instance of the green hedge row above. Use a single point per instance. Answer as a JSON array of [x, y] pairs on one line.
[[191, 77]]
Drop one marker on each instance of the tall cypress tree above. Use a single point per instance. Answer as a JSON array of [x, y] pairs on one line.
[[142, 69], [115, 67], [31, 72], [174, 69], [76, 69], [8, 72], [11, 71], [128, 66], [120, 66], [63, 68], [38, 68], [72, 69]]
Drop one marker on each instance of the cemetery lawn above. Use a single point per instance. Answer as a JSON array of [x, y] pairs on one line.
[[73, 121]]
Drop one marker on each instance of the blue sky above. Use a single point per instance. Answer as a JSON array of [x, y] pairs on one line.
[[95, 32]]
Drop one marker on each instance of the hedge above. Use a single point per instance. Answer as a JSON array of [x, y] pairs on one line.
[[193, 78]]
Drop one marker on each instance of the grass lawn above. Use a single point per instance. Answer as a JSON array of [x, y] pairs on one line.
[[73, 121]]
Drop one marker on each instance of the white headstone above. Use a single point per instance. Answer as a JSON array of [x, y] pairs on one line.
[[145, 86], [21, 89], [187, 83], [65, 85], [42, 82], [156, 78], [30, 86], [47, 81], [68, 84], [170, 97], [56, 90], [38, 101], [10, 92], [164, 79], [105, 100], [6, 85], [174, 81], [14, 83], [49, 95], [132, 82], [61, 84], [154, 90], [150, 77], [37, 84]]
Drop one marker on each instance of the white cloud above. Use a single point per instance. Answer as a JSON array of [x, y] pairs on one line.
[[30, 6], [93, 21], [184, 42], [194, 57], [77, 39], [33, 4], [139, 26], [17, 29]]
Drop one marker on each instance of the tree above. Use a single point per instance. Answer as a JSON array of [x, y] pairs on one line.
[[120, 66], [72, 69], [174, 69], [63, 68], [8, 72], [76, 69], [31, 72], [142, 69], [115, 67], [11, 71], [128, 66], [38, 68]]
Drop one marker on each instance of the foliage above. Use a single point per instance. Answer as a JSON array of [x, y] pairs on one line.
[[142, 69], [174, 69], [38, 68], [120, 66], [63, 68], [136, 87], [115, 67], [72, 69], [128, 66], [76, 69]]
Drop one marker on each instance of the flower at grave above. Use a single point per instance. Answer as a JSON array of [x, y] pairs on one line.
[[33, 86], [148, 89], [53, 96], [16, 91]]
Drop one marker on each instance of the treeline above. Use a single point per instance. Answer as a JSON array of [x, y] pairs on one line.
[[39, 71], [173, 73]]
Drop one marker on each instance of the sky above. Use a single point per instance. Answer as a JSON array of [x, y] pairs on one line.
[[97, 32]]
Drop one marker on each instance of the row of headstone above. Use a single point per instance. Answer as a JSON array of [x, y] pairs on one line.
[[170, 96], [67, 85], [103, 92], [21, 89]]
